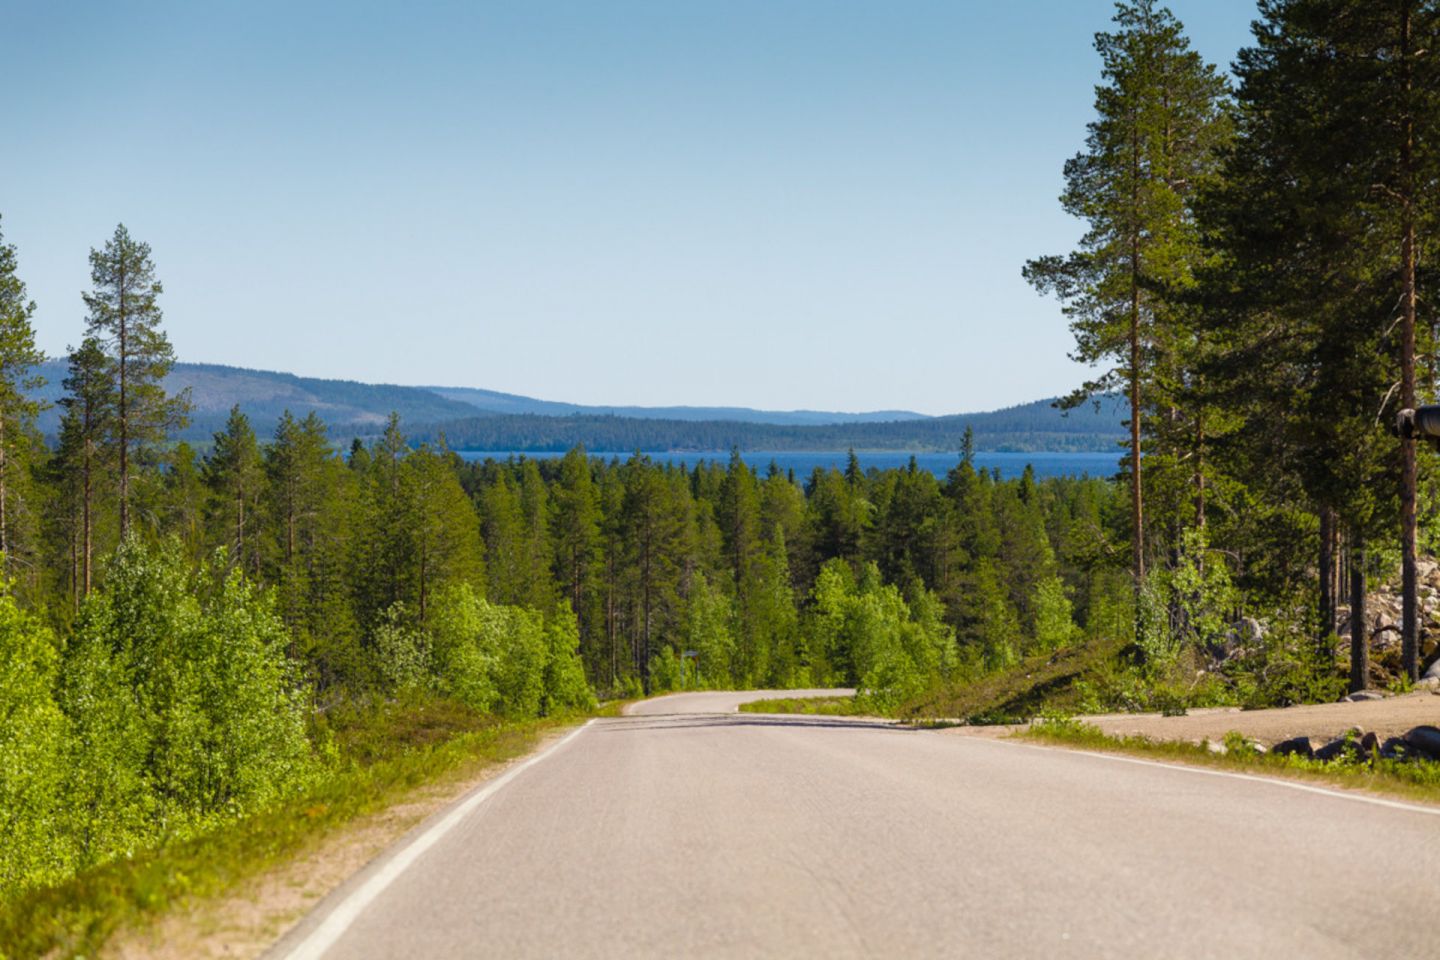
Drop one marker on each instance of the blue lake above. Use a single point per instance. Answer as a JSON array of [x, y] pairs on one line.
[[1046, 464]]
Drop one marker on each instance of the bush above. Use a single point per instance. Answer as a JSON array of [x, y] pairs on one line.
[[174, 708], [565, 685], [34, 746]]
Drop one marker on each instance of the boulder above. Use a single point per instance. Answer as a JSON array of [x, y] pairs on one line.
[[1295, 747], [1333, 749], [1432, 672], [1393, 748], [1369, 745], [1424, 740], [1360, 695]]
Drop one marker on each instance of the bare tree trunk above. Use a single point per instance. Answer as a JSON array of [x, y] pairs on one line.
[[1359, 626]]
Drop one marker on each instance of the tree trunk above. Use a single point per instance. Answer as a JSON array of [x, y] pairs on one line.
[[86, 496], [1200, 471], [123, 411], [1328, 585], [4, 505], [1409, 615], [1137, 515], [1359, 625]]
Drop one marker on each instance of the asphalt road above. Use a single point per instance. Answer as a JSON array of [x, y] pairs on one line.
[[687, 829]]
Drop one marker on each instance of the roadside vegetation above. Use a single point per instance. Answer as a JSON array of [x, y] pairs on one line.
[[822, 706], [380, 754], [1416, 777]]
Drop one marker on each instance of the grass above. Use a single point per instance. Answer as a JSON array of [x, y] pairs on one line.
[[824, 706], [1041, 682], [1412, 779], [385, 753]]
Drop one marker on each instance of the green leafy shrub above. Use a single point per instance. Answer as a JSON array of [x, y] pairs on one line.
[[34, 753]]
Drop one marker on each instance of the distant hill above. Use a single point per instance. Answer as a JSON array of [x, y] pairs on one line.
[[508, 403], [345, 405], [1028, 427], [476, 419]]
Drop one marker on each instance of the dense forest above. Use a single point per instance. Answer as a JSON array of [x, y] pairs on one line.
[[1253, 283], [1029, 427]]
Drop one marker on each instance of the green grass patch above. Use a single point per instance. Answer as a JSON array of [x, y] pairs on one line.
[[1411, 778], [384, 752], [823, 706]]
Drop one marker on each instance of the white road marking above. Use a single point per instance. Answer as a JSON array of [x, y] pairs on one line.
[[1190, 768], [333, 927]]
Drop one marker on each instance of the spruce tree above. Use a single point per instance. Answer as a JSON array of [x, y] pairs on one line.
[[235, 477], [89, 404], [575, 534]]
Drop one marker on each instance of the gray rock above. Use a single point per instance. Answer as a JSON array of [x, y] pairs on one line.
[[1295, 747], [1361, 695], [1432, 672], [1424, 740], [1250, 630]]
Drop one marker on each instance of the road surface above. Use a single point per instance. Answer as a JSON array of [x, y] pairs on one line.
[[687, 829]]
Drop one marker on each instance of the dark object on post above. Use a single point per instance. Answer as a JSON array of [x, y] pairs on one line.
[[1422, 423]]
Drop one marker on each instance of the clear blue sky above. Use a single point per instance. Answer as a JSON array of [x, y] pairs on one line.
[[772, 203]]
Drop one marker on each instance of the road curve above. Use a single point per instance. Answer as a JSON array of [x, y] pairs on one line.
[[685, 829]]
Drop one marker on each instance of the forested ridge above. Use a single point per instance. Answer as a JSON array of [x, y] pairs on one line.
[[1028, 427], [177, 630], [486, 420]]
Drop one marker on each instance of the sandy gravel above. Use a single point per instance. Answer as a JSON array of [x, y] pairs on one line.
[[1320, 721]]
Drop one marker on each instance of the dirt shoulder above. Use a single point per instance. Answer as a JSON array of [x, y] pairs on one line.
[[1390, 717], [247, 921]]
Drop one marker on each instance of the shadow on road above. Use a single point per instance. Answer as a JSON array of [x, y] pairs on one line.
[[684, 721]]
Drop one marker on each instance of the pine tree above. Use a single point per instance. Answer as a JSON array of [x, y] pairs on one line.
[[18, 358], [1159, 119], [1319, 219], [125, 317]]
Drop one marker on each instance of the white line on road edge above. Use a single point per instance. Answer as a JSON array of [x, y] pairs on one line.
[[323, 937], [1188, 768]]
